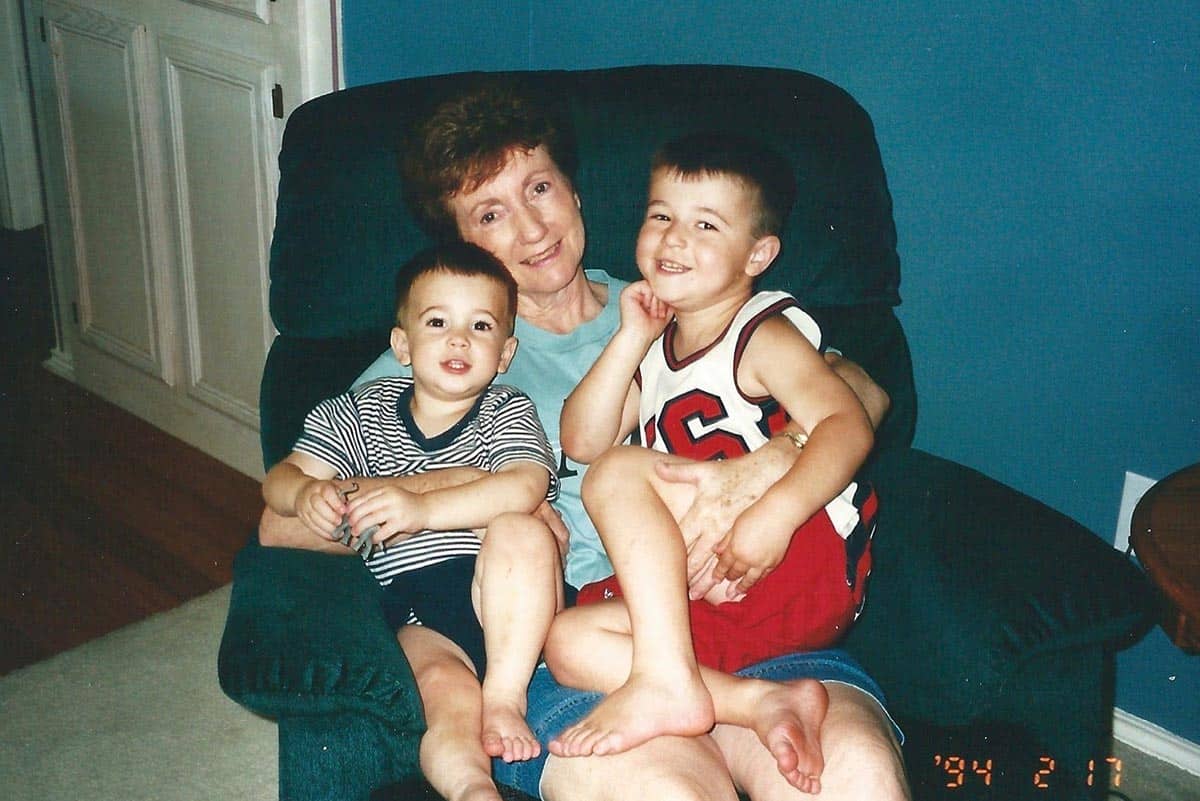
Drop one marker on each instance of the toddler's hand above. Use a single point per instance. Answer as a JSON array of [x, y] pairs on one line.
[[320, 505], [394, 510]]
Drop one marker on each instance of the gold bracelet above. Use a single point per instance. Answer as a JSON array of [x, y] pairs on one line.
[[798, 439]]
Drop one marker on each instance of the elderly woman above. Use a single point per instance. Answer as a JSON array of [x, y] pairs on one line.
[[492, 168]]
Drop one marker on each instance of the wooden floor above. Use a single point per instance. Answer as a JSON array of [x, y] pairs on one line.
[[106, 520]]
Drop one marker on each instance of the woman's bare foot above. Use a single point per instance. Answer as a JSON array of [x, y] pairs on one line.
[[505, 733], [639, 710], [788, 722]]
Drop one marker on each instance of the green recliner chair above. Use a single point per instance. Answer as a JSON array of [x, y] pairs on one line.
[[989, 615]]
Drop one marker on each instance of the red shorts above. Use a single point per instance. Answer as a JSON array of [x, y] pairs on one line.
[[807, 603]]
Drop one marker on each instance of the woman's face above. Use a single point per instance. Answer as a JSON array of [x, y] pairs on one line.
[[528, 217]]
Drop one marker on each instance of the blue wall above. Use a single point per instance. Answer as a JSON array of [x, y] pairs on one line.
[[1045, 168]]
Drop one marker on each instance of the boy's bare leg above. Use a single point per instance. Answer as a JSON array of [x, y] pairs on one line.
[[516, 592], [450, 755], [862, 757], [785, 717], [662, 693]]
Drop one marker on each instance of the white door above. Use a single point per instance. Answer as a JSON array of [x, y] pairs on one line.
[[160, 123]]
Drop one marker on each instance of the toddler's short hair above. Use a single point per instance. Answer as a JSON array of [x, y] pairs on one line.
[[457, 258], [762, 170]]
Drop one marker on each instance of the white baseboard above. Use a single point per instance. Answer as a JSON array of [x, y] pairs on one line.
[[61, 364], [1156, 741]]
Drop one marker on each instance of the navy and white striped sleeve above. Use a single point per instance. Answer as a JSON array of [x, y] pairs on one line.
[[517, 435], [332, 433]]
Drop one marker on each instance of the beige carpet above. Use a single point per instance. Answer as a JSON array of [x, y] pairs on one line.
[[135, 715], [138, 715]]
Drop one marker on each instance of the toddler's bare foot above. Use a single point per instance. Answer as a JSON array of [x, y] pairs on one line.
[[788, 721], [639, 710], [505, 733]]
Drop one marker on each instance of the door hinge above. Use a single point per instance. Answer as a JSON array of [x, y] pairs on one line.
[[277, 101], [42, 24], [75, 312]]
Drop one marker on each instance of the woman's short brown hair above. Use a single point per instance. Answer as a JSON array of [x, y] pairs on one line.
[[468, 140]]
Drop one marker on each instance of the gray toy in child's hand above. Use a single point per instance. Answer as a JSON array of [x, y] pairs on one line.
[[363, 545]]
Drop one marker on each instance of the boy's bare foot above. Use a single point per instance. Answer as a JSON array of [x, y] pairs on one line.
[[505, 733], [788, 721], [640, 710]]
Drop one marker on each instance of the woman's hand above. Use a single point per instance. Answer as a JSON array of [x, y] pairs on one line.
[[642, 314], [553, 521], [723, 490]]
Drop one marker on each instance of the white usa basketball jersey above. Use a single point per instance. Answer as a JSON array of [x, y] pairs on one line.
[[693, 407]]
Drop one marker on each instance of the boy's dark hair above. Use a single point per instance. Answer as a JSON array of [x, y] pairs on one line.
[[467, 141], [457, 258], [764, 171]]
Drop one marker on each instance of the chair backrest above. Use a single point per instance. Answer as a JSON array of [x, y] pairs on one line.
[[342, 228]]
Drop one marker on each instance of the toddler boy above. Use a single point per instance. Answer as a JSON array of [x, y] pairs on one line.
[[454, 321]]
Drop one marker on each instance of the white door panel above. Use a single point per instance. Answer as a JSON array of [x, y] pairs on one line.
[[160, 123], [250, 9], [225, 196], [112, 184]]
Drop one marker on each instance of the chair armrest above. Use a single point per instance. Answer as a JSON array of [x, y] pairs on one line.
[[304, 637], [298, 374], [973, 579]]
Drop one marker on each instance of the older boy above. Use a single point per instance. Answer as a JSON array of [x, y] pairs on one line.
[[454, 321], [697, 361]]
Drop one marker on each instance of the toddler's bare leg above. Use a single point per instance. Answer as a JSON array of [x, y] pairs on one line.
[[517, 590], [450, 755], [663, 693]]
